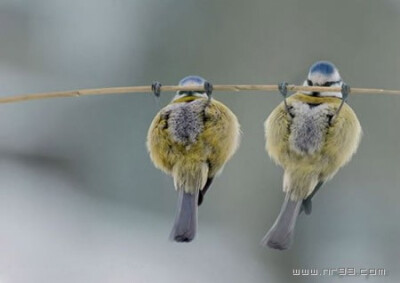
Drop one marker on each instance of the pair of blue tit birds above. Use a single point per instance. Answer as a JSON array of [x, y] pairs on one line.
[[310, 134]]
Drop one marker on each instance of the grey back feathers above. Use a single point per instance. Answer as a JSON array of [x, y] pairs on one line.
[[186, 120], [308, 127]]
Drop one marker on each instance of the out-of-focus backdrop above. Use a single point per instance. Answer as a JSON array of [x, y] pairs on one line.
[[80, 200]]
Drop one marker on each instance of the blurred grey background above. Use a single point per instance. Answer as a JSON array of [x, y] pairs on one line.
[[80, 200]]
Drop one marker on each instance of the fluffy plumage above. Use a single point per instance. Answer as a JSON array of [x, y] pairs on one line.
[[185, 120], [191, 139], [323, 155], [309, 128], [311, 149]]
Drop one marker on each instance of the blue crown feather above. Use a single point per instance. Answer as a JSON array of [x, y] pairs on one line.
[[323, 67], [192, 80]]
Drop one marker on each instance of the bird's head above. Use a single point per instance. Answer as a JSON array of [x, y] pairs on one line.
[[191, 81], [324, 73]]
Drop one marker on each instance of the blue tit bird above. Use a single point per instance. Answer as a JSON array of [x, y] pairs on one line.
[[310, 135], [191, 139]]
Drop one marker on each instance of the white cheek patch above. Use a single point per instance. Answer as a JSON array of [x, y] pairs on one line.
[[326, 93], [333, 94], [319, 78], [309, 127]]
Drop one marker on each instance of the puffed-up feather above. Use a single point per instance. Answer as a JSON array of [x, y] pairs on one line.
[[310, 146], [191, 139]]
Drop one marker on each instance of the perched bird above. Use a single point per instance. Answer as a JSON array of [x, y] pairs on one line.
[[311, 135], [191, 139]]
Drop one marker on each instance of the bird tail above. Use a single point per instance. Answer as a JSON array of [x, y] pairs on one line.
[[185, 226], [281, 234], [189, 180]]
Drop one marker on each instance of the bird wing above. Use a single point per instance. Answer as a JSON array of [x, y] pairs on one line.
[[277, 131], [159, 142], [221, 135], [342, 138]]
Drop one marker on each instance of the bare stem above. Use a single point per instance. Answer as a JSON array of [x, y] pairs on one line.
[[170, 88]]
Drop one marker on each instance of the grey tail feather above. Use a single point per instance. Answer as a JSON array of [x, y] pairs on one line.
[[185, 226], [281, 234]]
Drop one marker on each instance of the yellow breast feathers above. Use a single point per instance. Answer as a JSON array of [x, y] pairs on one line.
[[309, 144], [193, 131]]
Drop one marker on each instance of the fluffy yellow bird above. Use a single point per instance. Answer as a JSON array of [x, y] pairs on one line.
[[310, 135], [191, 139]]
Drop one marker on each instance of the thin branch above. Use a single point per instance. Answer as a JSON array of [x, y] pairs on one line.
[[169, 88]]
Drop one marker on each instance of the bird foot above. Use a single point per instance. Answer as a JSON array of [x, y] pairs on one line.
[[345, 91], [156, 88], [283, 89], [208, 88]]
